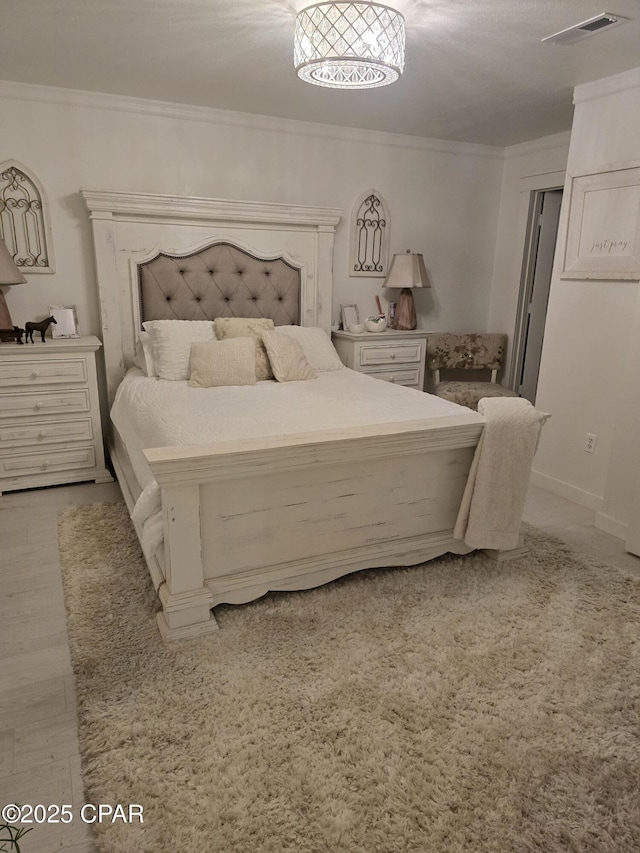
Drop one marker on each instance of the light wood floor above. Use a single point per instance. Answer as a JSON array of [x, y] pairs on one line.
[[39, 760]]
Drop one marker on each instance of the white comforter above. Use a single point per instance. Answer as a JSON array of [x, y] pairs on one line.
[[157, 413]]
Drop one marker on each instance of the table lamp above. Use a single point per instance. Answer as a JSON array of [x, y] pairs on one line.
[[9, 274], [406, 271]]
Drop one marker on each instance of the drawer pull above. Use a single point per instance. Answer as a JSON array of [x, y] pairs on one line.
[[46, 463], [35, 374], [392, 379], [393, 355], [38, 405], [42, 433]]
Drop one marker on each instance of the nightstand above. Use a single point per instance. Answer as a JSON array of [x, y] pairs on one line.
[[393, 356], [50, 427]]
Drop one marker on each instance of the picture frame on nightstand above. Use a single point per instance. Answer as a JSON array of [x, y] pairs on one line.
[[350, 316]]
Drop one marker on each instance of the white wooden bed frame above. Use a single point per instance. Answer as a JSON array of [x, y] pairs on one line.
[[248, 516]]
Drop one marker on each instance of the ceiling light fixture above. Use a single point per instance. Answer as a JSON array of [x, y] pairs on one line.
[[349, 45]]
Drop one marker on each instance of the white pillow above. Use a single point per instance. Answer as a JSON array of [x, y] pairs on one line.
[[287, 358], [144, 355], [172, 341], [316, 345], [228, 362]]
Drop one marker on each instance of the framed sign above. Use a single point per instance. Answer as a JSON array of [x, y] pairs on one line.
[[603, 228]]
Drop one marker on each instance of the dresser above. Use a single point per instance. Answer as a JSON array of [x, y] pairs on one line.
[[50, 426], [391, 355]]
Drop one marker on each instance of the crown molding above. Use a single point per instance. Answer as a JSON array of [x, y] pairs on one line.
[[607, 86], [545, 143], [227, 118]]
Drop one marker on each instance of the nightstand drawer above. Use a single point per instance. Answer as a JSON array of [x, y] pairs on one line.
[[400, 376], [44, 403], [40, 372], [398, 353], [32, 434], [47, 462], [393, 355]]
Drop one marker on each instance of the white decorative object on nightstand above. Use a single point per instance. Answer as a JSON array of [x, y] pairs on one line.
[[50, 426], [394, 356]]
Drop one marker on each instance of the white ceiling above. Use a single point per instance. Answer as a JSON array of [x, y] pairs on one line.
[[476, 70]]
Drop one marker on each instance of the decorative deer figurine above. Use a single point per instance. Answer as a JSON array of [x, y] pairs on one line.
[[41, 327]]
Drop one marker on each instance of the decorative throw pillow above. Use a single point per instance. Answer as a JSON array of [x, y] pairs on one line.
[[248, 327], [287, 358], [144, 355], [216, 363], [316, 345], [172, 341]]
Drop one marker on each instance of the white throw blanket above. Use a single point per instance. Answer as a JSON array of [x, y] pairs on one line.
[[496, 490]]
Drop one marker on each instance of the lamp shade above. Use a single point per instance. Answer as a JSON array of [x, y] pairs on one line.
[[9, 274], [407, 270]]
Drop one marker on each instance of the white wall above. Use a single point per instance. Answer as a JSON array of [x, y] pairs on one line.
[[443, 197], [590, 377]]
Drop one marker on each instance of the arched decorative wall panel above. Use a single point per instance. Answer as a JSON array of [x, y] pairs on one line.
[[25, 225], [369, 243]]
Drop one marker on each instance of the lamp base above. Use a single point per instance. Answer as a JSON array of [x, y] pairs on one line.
[[5, 317], [406, 311]]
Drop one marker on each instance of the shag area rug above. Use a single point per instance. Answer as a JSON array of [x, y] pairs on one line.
[[461, 705]]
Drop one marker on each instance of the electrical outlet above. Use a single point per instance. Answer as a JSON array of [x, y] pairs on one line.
[[590, 443]]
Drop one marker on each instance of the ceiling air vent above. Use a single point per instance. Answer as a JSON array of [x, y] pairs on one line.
[[604, 20]]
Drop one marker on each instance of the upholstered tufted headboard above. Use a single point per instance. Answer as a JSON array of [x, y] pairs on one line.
[[221, 280], [268, 260]]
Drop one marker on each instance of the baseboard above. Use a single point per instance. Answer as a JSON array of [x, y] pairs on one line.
[[566, 490], [610, 525]]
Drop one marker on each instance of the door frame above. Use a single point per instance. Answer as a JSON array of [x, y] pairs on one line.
[[527, 275]]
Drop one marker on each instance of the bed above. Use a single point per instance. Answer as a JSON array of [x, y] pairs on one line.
[[285, 504]]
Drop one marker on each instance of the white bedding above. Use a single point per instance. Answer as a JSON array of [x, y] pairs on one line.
[[150, 412]]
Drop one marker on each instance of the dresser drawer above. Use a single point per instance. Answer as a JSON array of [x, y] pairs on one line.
[[34, 372], [31, 434], [47, 462], [398, 353], [44, 403], [400, 376], [50, 430]]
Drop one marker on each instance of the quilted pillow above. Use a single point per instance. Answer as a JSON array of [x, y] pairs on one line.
[[248, 327], [316, 345], [287, 358], [172, 341], [216, 363]]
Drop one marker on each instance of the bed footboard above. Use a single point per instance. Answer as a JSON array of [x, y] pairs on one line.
[[245, 517]]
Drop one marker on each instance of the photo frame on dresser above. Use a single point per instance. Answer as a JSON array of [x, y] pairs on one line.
[[66, 325]]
